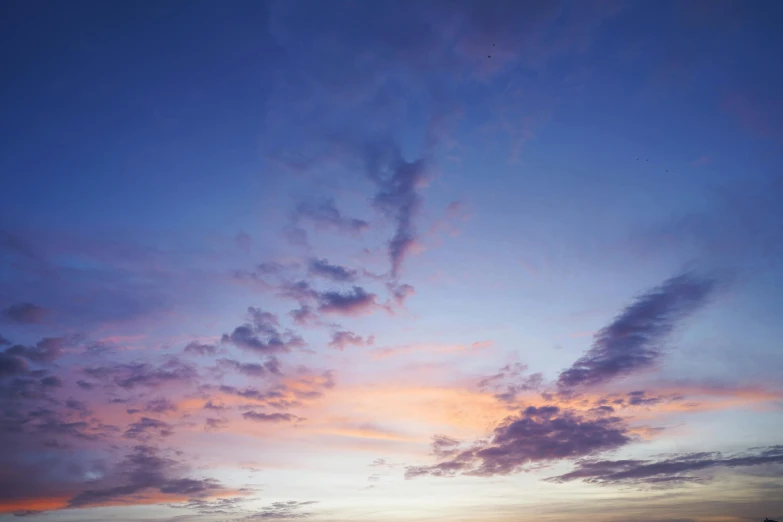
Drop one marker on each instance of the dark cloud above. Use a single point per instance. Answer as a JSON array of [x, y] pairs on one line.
[[220, 506], [305, 316], [444, 446], [249, 369], [270, 417], [634, 340], [322, 268], [354, 302], [282, 510], [145, 469], [24, 313], [397, 198], [214, 424], [510, 381], [342, 339], [198, 348], [262, 335], [325, 215], [673, 470], [538, 435], [12, 365], [145, 428], [45, 351], [400, 292], [160, 405], [131, 375]]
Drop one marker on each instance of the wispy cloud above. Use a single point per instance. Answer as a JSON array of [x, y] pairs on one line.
[[634, 340]]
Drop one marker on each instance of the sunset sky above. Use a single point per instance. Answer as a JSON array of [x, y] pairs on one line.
[[391, 261]]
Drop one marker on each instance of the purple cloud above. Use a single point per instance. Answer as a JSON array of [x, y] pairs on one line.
[[270, 417], [673, 470], [354, 302], [322, 268], [634, 340], [538, 435], [262, 335], [342, 339], [45, 351], [145, 468], [252, 369], [24, 313], [198, 348], [130, 375], [145, 428], [397, 181], [325, 215]]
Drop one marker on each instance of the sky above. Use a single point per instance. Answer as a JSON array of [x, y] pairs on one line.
[[391, 261]]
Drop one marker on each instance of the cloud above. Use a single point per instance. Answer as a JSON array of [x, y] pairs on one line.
[[673, 470], [198, 348], [282, 510], [270, 417], [145, 469], [144, 428], [354, 302], [12, 365], [444, 446], [24, 313], [249, 369], [160, 405], [322, 268], [324, 214], [305, 316], [510, 381], [397, 197], [634, 340], [131, 375], [262, 335], [342, 339], [45, 351], [538, 436]]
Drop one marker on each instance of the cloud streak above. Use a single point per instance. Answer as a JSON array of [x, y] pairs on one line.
[[634, 340]]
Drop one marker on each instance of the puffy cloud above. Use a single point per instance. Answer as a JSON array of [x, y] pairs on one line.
[[145, 428], [342, 339], [24, 313], [145, 469], [305, 316], [510, 381], [357, 301], [269, 417], [160, 405], [45, 351], [198, 348], [131, 375], [12, 365], [672, 470], [634, 339], [538, 435], [322, 268], [262, 335]]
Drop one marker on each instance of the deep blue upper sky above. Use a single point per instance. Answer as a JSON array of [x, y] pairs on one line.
[[398, 260]]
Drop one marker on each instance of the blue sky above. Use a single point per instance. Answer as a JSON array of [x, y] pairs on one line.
[[391, 260]]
